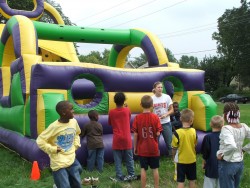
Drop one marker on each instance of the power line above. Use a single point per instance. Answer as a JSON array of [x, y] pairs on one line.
[[247, 44], [189, 32], [195, 52], [174, 33], [191, 28], [124, 12], [105, 10], [200, 30], [150, 13], [228, 24]]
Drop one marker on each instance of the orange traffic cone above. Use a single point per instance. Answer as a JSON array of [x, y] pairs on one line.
[[35, 172]]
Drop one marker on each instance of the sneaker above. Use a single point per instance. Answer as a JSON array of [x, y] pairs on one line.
[[94, 181], [113, 179], [116, 179], [127, 178], [135, 177], [86, 181], [131, 177]]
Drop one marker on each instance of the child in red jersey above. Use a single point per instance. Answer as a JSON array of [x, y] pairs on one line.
[[147, 129]]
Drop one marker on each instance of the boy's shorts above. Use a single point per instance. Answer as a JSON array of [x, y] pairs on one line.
[[152, 162], [188, 170]]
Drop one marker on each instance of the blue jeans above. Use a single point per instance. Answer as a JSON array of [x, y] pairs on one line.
[[128, 156], [230, 174], [95, 156], [167, 136], [68, 177]]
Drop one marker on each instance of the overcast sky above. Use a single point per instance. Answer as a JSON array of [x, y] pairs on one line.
[[184, 26]]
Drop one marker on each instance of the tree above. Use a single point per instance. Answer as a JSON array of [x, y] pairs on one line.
[[213, 75], [46, 18], [233, 42], [170, 56], [96, 57], [142, 59], [139, 61], [28, 5], [188, 62]]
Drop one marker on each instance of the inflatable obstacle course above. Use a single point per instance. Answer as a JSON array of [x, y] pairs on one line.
[[39, 67]]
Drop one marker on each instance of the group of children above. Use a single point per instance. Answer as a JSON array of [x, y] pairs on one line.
[[61, 139]]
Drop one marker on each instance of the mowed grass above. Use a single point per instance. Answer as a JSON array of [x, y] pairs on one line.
[[15, 171]]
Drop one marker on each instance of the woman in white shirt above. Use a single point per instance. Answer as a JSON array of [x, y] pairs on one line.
[[163, 107], [230, 153]]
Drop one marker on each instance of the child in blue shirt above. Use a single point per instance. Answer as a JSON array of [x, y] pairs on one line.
[[210, 146]]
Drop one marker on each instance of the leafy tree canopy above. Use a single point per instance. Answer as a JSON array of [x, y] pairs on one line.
[[170, 55], [233, 42], [142, 59], [96, 57], [29, 6], [188, 62]]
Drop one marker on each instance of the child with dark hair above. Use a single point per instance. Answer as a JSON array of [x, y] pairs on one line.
[[94, 132], [176, 124], [209, 147], [147, 129], [231, 150], [60, 141], [119, 119], [175, 117]]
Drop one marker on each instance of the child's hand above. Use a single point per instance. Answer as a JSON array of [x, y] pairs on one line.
[[58, 149], [203, 166], [163, 116], [135, 151], [158, 134], [220, 157]]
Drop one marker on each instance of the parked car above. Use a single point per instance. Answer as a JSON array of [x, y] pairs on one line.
[[234, 98]]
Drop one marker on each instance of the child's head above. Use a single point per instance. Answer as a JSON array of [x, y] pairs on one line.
[[217, 122], [187, 116], [146, 101], [176, 106], [93, 115], [157, 87], [65, 109], [119, 98], [231, 113]]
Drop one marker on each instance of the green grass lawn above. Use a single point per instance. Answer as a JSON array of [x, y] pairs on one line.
[[15, 171]]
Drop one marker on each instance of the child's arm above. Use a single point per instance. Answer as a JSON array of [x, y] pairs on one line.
[[77, 137], [43, 144], [203, 164], [135, 143], [158, 126], [205, 147], [246, 148], [174, 152], [83, 132], [175, 144]]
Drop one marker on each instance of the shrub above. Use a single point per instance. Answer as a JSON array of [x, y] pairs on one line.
[[222, 91]]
